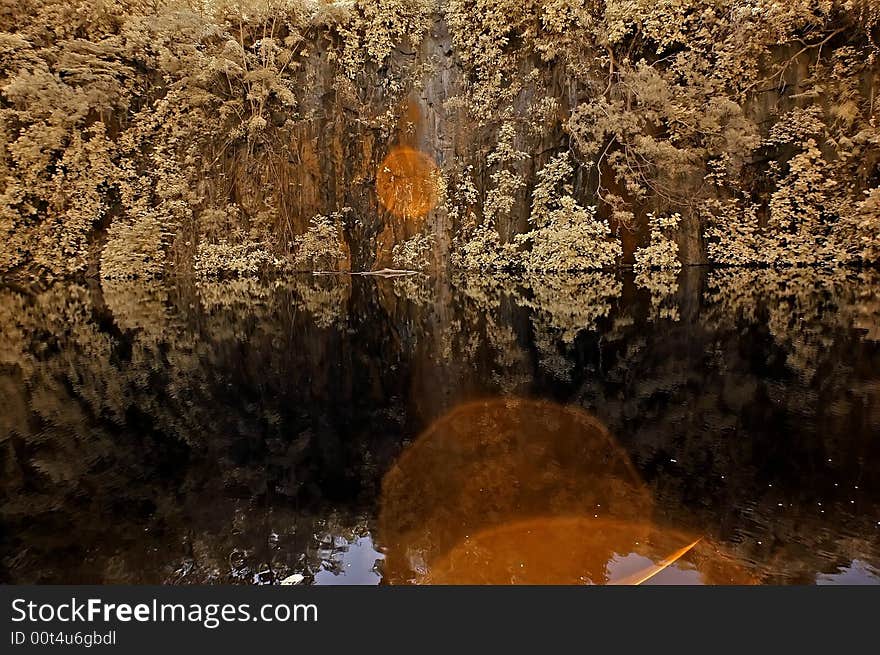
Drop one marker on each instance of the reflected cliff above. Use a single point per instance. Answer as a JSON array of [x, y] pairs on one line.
[[346, 430]]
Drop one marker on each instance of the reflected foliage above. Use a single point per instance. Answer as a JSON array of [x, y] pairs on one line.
[[240, 430]]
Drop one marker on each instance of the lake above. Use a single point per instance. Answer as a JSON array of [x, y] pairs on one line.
[[703, 426]]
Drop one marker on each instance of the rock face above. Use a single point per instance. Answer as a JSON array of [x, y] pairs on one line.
[[335, 152], [180, 132]]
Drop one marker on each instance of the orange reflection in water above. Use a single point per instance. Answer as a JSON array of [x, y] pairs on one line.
[[407, 183], [509, 491], [578, 550], [499, 461]]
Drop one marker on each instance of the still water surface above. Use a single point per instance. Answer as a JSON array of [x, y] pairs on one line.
[[705, 427]]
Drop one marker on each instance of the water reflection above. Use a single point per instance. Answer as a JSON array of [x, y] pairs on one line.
[[497, 461], [518, 491], [857, 573], [349, 563], [663, 287], [240, 431], [580, 550]]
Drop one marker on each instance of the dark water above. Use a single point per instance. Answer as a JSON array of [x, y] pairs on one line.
[[360, 430]]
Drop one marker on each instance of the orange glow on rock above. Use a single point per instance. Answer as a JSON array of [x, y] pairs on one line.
[[407, 183]]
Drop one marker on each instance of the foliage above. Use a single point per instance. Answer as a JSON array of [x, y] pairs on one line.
[[662, 250], [756, 118], [415, 253], [320, 248], [120, 120], [125, 124], [225, 260], [136, 248], [480, 248], [565, 236]]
